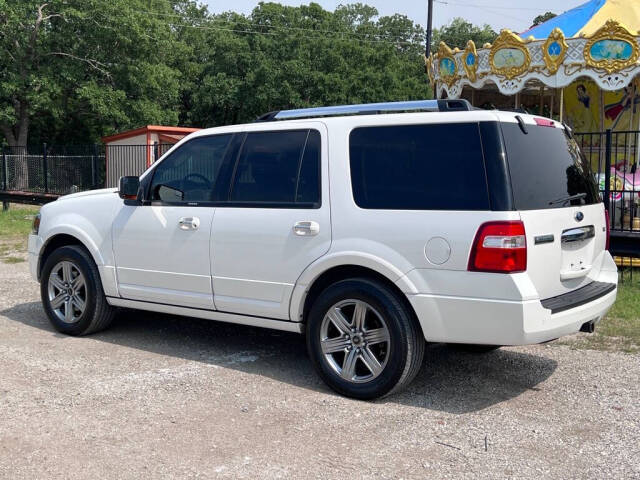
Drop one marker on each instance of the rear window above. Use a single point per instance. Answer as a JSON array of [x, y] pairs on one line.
[[419, 167], [547, 169]]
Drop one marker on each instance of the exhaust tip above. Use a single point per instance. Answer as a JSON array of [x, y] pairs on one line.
[[588, 327]]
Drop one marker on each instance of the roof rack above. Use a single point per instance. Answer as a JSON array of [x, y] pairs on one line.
[[369, 109]]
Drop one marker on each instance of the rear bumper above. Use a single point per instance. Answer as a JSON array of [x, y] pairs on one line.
[[495, 322]]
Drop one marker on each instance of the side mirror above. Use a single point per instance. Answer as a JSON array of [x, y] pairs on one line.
[[128, 188]]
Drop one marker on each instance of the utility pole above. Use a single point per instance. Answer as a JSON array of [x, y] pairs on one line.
[[427, 50]]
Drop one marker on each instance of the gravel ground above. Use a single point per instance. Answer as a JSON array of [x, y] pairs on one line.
[[161, 396]]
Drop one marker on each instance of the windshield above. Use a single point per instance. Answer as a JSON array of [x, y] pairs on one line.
[[547, 169]]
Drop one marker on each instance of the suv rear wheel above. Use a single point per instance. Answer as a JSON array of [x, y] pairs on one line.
[[72, 293], [363, 340]]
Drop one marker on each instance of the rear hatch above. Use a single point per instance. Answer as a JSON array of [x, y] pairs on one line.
[[557, 197]]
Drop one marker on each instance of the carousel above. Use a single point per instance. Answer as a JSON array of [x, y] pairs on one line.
[[581, 68]]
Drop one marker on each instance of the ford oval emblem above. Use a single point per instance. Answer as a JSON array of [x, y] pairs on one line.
[[579, 216]]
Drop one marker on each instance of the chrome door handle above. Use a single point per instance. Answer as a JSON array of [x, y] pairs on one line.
[[189, 223], [306, 229]]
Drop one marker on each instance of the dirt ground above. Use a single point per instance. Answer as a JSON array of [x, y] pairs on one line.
[[167, 397]]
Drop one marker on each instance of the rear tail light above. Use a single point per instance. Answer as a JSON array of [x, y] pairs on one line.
[[607, 221], [499, 247]]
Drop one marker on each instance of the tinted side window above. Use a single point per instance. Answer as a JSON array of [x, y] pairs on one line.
[[189, 174], [308, 190], [275, 167], [419, 167]]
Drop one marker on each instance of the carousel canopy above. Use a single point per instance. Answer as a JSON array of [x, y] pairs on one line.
[[599, 40], [589, 17]]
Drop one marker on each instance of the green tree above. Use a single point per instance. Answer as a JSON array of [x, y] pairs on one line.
[[543, 18], [288, 57], [72, 70], [459, 32]]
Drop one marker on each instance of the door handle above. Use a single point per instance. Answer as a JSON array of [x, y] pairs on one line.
[[189, 223], [306, 229]]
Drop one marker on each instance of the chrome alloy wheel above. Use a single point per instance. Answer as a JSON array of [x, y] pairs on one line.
[[67, 292], [355, 340]]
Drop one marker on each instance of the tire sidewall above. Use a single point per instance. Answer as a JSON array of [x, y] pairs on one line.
[[82, 263], [392, 312]]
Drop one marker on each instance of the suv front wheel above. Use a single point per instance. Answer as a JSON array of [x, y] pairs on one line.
[[363, 340], [72, 293]]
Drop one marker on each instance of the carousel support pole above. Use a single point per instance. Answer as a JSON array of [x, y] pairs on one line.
[[602, 132], [517, 101], [553, 98], [541, 107], [562, 105], [627, 159], [473, 97], [638, 143]]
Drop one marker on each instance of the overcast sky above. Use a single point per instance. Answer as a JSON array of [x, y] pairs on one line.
[[513, 14]]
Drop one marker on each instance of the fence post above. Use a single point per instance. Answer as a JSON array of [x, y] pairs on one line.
[[607, 170], [5, 169], [94, 167], [5, 172], [45, 168]]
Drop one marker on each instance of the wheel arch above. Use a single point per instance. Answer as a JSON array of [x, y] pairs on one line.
[[58, 240], [342, 272]]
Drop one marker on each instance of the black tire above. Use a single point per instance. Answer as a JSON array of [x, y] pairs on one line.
[[471, 348], [97, 314], [406, 342]]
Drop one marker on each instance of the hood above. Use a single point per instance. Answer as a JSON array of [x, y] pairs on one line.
[[89, 193]]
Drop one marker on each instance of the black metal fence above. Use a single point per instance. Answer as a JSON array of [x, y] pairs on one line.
[[63, 169], [614, 158]]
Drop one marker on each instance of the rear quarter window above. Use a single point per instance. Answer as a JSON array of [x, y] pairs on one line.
[[418, 167]]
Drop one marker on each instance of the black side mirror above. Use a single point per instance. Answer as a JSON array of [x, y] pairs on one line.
[[128, 188]]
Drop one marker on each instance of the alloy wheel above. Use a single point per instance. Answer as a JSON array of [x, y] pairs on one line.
[[355, 340], [67, 291]]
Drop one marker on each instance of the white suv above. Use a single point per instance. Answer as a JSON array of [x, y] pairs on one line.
[[369, 228]]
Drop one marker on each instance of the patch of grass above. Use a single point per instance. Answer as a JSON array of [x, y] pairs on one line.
[[16, 222], [13, 260], [627, 304], [620, 330]]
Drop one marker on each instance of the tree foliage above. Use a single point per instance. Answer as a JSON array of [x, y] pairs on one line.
[[543, 18], [72, 71], [459, 32]]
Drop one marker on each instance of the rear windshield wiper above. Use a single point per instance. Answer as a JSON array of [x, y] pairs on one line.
[[578, 196]]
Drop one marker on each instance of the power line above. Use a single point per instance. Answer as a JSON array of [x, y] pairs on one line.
[[497, 7], [257, 32], [219, 21]]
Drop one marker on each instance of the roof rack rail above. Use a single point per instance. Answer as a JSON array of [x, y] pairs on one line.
[[369, 109]]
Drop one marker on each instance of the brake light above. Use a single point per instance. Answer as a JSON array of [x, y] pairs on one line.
[[608, 223], [499, 247], [544, 122]]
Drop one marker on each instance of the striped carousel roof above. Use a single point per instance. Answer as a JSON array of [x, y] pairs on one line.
[[586, 19]]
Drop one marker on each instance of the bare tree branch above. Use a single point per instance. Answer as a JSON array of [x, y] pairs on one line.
[[95, 64]]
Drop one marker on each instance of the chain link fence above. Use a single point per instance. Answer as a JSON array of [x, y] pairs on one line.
[[64, 169]]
